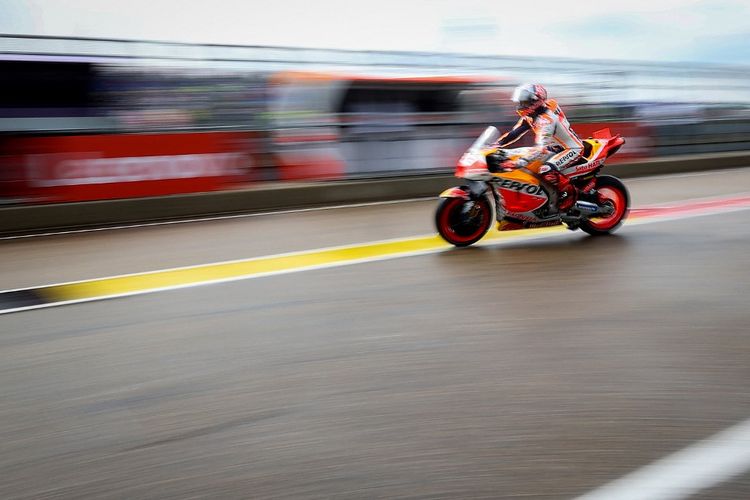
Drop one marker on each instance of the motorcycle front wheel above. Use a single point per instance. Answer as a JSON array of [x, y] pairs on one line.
[[463, 222]]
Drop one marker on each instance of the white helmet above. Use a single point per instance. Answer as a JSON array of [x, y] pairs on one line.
[[529, 97]]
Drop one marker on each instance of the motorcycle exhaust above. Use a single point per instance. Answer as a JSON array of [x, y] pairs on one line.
[[586, 207]]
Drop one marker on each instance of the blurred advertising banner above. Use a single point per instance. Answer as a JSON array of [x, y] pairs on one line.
[[99, 167], [639, 140]]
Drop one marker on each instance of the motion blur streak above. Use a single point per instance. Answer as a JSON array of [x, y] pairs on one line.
[[693, 206], [170, 279]]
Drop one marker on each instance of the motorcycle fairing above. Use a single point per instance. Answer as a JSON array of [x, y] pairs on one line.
[[603, 145], [455, 192], [519, 192], [593, 160]]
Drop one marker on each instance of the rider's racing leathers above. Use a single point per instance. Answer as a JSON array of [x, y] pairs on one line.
[[555, 140]]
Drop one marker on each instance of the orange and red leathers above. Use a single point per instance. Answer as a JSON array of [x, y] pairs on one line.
[[552, 135], [554, 139]]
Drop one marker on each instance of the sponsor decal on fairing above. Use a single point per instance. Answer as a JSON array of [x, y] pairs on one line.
[[586, 167], [520, 187], [569, 156]]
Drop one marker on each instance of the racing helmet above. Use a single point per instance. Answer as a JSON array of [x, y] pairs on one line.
[[528, 98]]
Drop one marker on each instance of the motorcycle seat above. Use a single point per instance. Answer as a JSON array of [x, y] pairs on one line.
[[587, 148]]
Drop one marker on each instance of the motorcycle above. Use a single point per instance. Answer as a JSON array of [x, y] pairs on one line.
[[518, 197]]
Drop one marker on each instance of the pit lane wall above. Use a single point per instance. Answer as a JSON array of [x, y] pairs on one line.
[[27, 219], [63, 168], [74, 168]]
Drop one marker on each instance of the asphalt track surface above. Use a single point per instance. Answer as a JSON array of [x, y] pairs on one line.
[[529, 369]]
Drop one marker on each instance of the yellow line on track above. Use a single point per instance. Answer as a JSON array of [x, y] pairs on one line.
[[172, 278], [167, 279]]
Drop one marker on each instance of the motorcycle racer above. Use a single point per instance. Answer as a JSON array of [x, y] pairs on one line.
[[553, 138]]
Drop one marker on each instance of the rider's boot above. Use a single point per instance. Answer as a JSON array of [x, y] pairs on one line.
[[565, 190]]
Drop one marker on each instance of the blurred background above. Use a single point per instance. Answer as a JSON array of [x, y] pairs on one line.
[[528, 367], [92, 107]]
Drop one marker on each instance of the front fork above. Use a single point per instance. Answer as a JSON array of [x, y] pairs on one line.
[[479, 189], [473, 191]]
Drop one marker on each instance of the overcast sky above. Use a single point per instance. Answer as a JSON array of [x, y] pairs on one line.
[[715, 31]]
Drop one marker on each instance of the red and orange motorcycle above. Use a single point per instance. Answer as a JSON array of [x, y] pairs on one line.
[[519, 197]]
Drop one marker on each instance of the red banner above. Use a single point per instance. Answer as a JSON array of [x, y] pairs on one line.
[[99, 167]]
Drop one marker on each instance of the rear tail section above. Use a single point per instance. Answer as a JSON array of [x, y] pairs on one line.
[[614, 142], [603, 133]]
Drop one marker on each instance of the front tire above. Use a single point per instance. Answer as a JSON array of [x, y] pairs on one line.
[[463, 222], [613, 192]]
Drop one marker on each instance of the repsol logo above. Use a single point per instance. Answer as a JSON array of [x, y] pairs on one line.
[[569, 156], [520, 187]]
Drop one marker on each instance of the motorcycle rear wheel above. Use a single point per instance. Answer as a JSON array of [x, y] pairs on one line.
[[461, 224], [612, 192]]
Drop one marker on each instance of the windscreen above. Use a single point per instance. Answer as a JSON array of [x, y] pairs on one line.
[[488, 137]]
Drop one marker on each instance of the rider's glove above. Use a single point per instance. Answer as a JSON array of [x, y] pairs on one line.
[[495, 160]]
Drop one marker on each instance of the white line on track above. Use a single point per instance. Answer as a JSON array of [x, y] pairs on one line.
[[700, 466]]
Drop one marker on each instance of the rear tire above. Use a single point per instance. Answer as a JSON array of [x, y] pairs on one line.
[[611, 191], [459, 227]]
